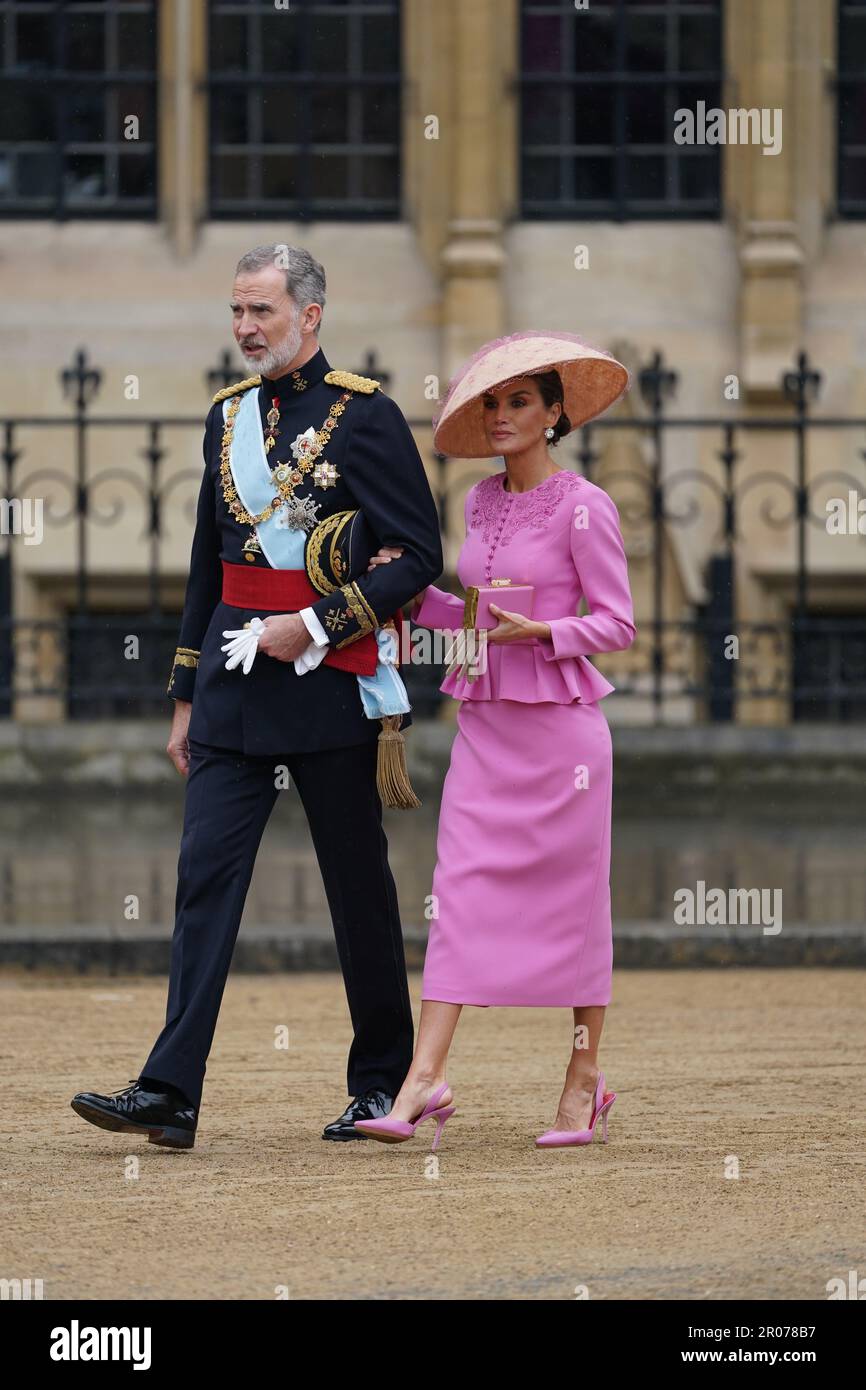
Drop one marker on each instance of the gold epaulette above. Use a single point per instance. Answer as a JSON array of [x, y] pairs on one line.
[[350, 381], [238, 386]]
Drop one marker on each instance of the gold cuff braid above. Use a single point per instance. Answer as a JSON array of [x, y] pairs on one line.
[[186, 656], [360, 610], [365, 605]]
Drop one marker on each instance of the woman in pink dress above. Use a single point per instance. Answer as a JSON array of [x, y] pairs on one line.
[[520, 903]]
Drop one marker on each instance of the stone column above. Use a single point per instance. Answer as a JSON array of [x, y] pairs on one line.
[[484, 48], [182, 120], [776, 50]]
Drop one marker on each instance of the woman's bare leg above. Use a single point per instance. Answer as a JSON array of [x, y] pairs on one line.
[[427, 1072], [581, 1077]]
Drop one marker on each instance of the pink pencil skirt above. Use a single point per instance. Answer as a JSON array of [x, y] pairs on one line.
[[520, 910]]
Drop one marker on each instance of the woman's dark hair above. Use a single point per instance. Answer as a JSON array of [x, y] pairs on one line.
[[550, 386]]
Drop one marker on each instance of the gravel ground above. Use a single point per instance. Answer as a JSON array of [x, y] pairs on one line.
[[757, 1072]]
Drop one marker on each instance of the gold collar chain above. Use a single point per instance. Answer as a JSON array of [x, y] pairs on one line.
[[286, 488]]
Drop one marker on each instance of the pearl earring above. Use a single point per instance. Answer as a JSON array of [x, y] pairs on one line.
[[548, 433]]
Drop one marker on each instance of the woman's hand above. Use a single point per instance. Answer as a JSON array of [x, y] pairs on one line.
[[385, 556], [515, 626]]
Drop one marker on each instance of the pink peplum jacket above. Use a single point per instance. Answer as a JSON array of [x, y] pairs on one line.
[[562, 536]]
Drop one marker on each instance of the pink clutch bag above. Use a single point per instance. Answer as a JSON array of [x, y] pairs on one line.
[[514, 595]]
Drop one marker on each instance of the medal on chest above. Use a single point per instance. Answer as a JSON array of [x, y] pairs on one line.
[[289, 511], [307, 447]]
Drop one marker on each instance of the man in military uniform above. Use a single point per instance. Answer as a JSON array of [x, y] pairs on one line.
[[313, 442]]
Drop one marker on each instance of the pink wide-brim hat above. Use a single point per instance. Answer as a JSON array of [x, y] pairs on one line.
[[592, 380]]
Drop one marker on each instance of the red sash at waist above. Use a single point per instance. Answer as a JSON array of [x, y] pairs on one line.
[[288, 591]]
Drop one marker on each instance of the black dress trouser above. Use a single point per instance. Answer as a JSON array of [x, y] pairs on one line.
[[229, 798]]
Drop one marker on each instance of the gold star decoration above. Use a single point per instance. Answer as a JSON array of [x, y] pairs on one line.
[[335, 620], [325, 474]]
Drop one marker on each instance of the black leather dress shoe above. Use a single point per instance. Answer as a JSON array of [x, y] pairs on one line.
[[164, 1116], [372, 1105]]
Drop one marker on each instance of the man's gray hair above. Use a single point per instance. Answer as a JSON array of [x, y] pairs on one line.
[[305, 277]]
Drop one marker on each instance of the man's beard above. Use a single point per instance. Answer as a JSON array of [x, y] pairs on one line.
[[276, 359]]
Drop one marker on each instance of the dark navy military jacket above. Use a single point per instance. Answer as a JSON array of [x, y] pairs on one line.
[[272, 709]]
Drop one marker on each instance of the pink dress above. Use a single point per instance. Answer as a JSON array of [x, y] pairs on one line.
[[520, 911]]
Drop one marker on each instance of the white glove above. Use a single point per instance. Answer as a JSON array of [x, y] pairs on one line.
[[243, 645]]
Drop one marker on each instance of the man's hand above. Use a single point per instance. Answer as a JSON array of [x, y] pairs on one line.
[[177, 747], [285, 636]]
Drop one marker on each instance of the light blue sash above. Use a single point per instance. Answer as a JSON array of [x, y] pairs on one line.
[[382, 693]]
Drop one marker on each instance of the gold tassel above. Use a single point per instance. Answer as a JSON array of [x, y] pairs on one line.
[[392, 777]]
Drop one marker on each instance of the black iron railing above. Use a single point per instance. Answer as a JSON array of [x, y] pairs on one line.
[[105, 647]]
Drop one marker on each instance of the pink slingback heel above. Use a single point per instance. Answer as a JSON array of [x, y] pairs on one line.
[[564, 1138], [395, 1131]]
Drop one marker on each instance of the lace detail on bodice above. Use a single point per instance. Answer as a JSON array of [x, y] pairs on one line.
[[499, 514]]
